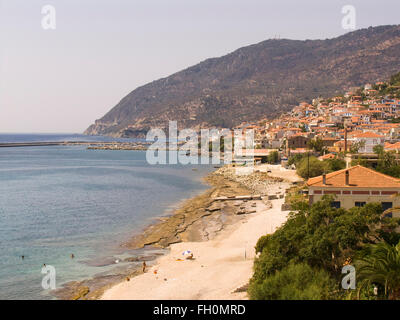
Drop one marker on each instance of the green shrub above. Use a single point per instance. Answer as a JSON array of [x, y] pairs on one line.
[[261, 243], [312, 167], [295, 282], [273, 157], [320, 236], [335, 164]]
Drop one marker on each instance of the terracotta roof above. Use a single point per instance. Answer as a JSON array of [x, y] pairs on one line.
[[298, 150], [359, 176], [393, 146], [329, 139], [327, 156], [368, 135]]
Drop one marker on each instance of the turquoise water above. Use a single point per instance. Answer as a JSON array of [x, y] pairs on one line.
[[55, 201]]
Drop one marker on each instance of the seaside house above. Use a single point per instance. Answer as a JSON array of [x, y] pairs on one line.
[[355, 187]]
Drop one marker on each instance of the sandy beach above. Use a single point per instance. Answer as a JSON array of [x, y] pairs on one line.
[[222, 265]]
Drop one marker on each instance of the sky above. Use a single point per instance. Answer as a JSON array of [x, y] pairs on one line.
[[62, 79]]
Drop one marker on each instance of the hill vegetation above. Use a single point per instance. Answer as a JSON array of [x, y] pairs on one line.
[[257, 81]]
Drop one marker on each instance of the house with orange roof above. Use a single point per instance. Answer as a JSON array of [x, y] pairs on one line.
[[355, 187]]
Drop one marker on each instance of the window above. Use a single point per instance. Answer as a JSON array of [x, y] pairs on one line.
[[386, 205], [360, 204], [335, 204]]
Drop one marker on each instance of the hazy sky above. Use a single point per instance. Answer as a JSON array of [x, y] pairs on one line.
[[62, 80]]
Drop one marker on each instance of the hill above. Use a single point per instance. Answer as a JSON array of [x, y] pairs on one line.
[[260, 80]]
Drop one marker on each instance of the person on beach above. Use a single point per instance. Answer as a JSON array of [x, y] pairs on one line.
[[190, 257], [72, 256], [144, 266]]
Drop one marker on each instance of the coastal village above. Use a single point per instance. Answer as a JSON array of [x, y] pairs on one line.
[[325, 182], [196, 155], [362, 116], [335, 158], [354, 128]]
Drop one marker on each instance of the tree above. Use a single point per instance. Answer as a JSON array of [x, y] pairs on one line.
[[356, 146], [378, 149], [317, 145], [311, 167], [387, 164], [321, 236], [295, 159], [273, 157], [295, 282], [303, 128], [379, 264], [335, 164]]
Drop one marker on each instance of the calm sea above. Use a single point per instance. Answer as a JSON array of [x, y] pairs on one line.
[[59, 200]]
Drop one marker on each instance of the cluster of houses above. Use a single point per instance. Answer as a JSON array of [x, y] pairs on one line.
[[341, 122], [353, 123]]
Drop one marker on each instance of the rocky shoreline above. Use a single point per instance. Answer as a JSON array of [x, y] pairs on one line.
[[198, 219]]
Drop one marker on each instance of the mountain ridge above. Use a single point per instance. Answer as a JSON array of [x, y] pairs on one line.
[[259, 80]]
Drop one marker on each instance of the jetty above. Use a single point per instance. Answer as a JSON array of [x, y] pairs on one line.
[[91, 145], [40, 144]]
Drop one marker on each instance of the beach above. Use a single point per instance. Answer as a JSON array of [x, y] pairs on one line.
[[223, 252]]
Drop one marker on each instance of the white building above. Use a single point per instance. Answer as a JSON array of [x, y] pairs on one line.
[[371, 140]]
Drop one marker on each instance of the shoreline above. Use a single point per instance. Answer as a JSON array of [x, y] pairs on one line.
[[223, 260], [92, 287], [195, 222], [161, 226]]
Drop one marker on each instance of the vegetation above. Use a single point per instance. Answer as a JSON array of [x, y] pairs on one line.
[[318, 240], [317, 145], [312, 167], [273, 157], [356, 146], [386, 162], [231, 101], [379, 265], [295, 159], [295, 282], [295, 195], [391, 88]]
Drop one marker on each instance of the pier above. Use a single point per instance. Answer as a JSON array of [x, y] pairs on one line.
[[40, 144]]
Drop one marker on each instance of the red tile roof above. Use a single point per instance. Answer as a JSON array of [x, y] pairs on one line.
[[367, 135], [359, 176]]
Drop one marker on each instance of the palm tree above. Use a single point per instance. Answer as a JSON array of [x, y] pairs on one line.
[[380, 265]]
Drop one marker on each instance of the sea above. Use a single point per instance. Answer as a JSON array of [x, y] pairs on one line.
[[56, 201]]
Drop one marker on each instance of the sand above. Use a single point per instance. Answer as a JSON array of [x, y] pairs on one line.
[[221, 265]]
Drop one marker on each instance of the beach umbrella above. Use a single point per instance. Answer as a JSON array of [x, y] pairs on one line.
[[186, 252]]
